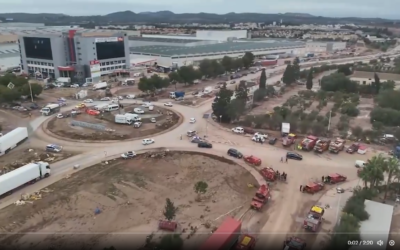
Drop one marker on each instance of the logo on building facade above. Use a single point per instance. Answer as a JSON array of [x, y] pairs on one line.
[[108, 39]]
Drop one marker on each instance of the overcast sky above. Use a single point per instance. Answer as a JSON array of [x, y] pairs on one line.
[[331, 8]]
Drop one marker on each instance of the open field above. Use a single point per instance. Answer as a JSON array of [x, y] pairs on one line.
[[131, 196], [24, 155], [63, 127]]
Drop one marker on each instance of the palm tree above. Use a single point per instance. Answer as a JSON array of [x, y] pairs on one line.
[[373, 171], [392, 170]]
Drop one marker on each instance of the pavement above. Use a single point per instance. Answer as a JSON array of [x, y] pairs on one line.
[[286, 199]]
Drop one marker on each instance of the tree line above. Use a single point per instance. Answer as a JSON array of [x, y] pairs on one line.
[[373, 178], [188, 75], [20, 88]]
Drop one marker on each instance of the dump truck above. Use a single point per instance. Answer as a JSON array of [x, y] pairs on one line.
[[50, 109], [225, 237], [12, 139], [308, 143], [261, 198], [27, 174], [322, 145], [336, 146], [313, 220]]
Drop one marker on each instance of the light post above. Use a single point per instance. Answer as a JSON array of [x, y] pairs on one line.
[[329, 122], [30, 89], [220, 119]]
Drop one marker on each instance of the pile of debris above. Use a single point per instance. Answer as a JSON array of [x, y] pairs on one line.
[[157, 154], [31, 156]]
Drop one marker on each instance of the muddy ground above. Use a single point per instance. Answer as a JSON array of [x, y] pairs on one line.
[[131, 196], [21, 156], [63, 127]]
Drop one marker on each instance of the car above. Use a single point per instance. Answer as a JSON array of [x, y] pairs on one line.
[[153, 120], [130, 96], [192, 120], [168, 104], [115, 100], [238, 130], [105, 99], [233, 82], [196, 139], [80, 106], [258, 134], [74, 86], [138, 111], [59, 116], [54, 148], [88, 101], [294, 156], [128, 155], [137, 124], [204, 144], [191, 133], [258, 139], [120, 97], [235, 153], [147, 141], [272, 140], [147, 104]]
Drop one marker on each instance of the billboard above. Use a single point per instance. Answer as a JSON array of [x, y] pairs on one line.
[[95, 68], [108, 39]]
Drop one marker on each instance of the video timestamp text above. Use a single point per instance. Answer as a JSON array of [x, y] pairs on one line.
[[360, 242]]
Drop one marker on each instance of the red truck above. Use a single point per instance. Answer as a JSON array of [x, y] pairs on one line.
[[308, 143], [266, 63], [225, 237]]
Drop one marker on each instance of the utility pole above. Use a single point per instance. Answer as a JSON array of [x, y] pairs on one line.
[[30, 89]]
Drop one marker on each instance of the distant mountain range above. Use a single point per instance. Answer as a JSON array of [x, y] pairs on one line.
[[129, 17]]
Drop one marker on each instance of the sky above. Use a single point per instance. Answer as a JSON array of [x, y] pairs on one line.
[[330, 8]]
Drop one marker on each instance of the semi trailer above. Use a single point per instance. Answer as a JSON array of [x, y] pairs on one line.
[[24, 175], [12, 139]]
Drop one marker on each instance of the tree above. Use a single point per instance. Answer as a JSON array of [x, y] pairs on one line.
[[389, 85], [235, 109], [227, 63], [36, 89], [152, 84], [188, 74], [237, 63], [217, 67], [309, 83], [345, 70], [392, 169], [205, 68], [373, 171], [171, 242], [289, 75], [263, 80], [260, 94], [220, 107], [377, 83], [169, 210], [174, 77], [318, 128], [357, 131], [296, 69], [248, 59], [200, 187], [241, 91], [338, 82], [389, 99], [9, 95]]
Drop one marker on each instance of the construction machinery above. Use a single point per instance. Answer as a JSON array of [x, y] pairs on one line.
[[246, 242], [313, 187], [294, 243], [313, 220], [288, 140], [225, 237], [308, 143], [252, 160], [322, 145], [337, 145], [261, 198]]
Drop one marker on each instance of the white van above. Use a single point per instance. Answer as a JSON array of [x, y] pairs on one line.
[[129, 81], [360, 164], [151, 108], [112, 107], [133, 117]]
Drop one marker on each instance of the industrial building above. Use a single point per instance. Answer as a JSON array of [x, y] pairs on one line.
[[325, 47], [73, 54], [9, 56]]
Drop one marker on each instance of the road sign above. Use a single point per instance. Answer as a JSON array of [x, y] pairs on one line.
[[10, 85]]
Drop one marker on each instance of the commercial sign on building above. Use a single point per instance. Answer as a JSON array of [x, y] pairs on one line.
[[108, 39], [95, 69]]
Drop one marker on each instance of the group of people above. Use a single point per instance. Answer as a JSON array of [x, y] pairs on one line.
[[326, 179], [280, 176]]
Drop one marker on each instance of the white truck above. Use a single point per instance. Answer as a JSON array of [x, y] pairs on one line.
[[100, 85], [27, 174], [285, 128], [50, 109], [127, 119], [101, 106], [12, 139]]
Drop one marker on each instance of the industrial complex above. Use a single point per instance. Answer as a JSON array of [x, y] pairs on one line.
[[86, 55]]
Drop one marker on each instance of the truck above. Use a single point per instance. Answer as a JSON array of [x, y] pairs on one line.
[[308, 143], [101, 106], [261, 198], [12, 139], [27, 174], [246, 242], [313, 220], [285, 129], [336, 146], [288, 140], [126, 118], [50, 109], [266, 63], [176, 94], [322, 145], [225, 237], [100, 85]]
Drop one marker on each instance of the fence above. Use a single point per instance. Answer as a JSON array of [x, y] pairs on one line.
[[88, 125]]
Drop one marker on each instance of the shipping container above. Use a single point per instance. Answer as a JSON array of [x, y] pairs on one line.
[[12, 139], [225, 237]]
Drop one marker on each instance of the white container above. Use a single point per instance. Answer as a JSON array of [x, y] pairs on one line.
[[12, 139]]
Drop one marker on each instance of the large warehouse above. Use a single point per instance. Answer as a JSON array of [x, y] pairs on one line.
[[174, 51], [72, 54]]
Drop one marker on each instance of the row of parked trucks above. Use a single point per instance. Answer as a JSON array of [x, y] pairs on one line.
[[317, 144]]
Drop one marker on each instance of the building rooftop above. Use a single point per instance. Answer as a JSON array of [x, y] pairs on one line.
[[379, 222], [7, 31], [9, 50], [228, 47], [165, 40], [370, 75]]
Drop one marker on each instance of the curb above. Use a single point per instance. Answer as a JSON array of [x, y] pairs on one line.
[[43, 127]]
